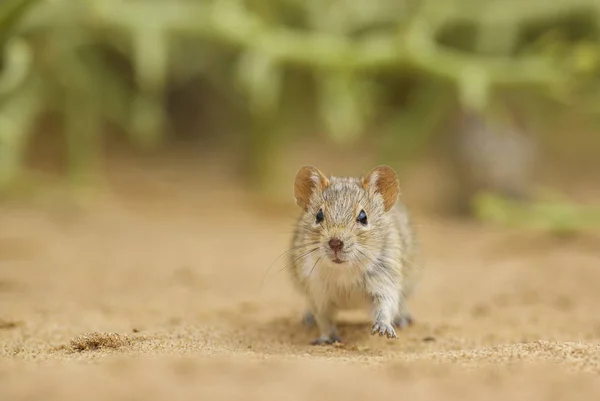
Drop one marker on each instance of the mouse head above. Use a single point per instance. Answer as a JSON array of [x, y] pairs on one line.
[[346, 217]]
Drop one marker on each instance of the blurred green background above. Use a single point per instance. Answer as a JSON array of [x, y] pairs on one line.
[[502, 96]]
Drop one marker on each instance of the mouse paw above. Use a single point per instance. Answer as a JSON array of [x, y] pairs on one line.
[[403, 322], [384, 329], [324, 340]]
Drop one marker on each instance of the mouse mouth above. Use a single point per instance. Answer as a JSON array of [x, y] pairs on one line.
[[336, 256]]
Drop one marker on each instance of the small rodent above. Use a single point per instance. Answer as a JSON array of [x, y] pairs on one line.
[[353, 247]]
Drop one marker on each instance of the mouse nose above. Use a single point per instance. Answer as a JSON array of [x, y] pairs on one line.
[[336, 244]]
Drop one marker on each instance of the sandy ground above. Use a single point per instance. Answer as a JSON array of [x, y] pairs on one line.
[[176, 274]]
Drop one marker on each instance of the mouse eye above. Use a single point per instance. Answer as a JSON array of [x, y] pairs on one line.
[[320, 216], [362, 218]]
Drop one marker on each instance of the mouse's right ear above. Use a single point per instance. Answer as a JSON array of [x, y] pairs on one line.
[[308, 180]]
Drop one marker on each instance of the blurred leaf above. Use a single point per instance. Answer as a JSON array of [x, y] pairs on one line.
[[232, 14], [585, 58], [11, 12], [260, 78]]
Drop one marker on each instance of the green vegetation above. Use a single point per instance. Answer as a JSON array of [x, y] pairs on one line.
[[102, 62], [557, 216]]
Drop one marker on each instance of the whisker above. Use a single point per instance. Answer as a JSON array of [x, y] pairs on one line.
[[404, 260], [294, 248], [374, 262], [303, 256], [369, 259], [315, 265]]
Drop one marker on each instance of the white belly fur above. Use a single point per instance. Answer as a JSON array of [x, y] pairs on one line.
[[341, 286]]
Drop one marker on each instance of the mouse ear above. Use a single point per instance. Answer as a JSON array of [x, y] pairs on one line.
[[308, 180], [384, 181]]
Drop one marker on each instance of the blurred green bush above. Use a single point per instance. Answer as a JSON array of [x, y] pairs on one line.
[[401, 66]]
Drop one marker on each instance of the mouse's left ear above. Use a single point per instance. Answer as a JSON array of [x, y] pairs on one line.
[[384, 181]]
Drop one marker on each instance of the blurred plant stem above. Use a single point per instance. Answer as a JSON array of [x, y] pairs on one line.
[[261, 156], [16, 121], [260, 78], [18, 107], [150, 64], [410, 131], [18, 102], [83, 134]]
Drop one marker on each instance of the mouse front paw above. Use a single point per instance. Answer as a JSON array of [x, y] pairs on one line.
[[384, 329]]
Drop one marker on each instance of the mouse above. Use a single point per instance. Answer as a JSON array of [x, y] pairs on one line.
[[353, 247]]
